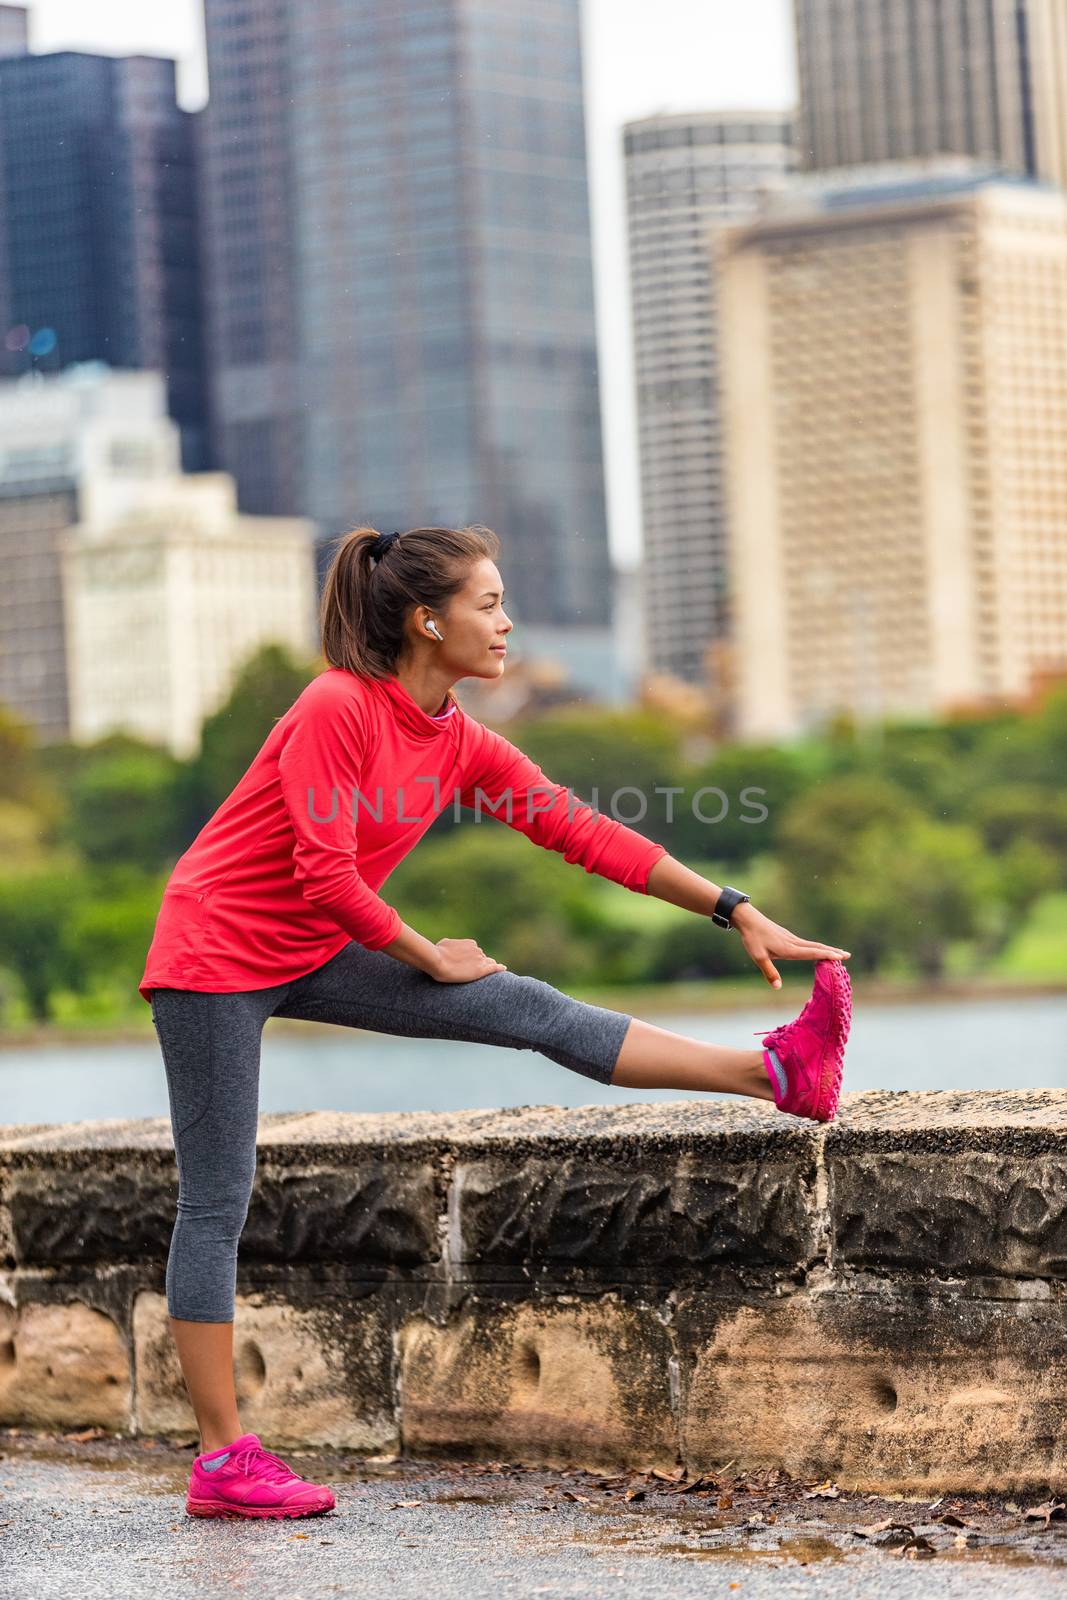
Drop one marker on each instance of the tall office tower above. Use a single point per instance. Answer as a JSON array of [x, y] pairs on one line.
[[251, 313], [894, 378], [684, 175], [401, 302], [890, 80], [98, 225]]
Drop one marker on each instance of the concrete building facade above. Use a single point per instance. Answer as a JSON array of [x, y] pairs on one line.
[[895, 407]]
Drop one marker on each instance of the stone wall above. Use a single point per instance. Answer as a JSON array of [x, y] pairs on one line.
[[882, 1300]]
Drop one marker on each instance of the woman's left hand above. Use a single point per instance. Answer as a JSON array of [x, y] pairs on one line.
[[767, 941]]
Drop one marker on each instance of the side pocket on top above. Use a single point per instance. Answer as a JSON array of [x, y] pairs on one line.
[[180, 926]]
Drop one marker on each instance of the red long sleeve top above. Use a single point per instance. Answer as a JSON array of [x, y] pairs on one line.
[[288, 868]]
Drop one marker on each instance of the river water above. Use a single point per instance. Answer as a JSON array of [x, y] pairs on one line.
[[973, 1044]]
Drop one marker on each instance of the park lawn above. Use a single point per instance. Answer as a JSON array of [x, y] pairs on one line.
[[1039, 949]]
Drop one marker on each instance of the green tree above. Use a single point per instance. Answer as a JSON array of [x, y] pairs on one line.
[[818, 829], [1025, 749], [36, 907], [525, 906], [757, 784], [125, 808], [110, 927], [263, 691], [862, 865], [1012, 813], [24, 838], [1027, 869], [18, 770], [588, 748]]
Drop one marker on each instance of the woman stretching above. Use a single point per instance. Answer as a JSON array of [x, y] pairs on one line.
[[273, 911]]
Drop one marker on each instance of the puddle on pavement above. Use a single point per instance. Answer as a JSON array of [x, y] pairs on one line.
[[1005, 1555], [647, 1541], [804, 1549], [466, 1500]]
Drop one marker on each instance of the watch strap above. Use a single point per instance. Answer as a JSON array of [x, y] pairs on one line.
[[728, 900]]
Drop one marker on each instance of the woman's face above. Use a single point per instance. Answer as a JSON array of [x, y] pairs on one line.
[[476, 626]]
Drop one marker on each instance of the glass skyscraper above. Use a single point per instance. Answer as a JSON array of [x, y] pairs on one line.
[[98, 224], [402, 290]]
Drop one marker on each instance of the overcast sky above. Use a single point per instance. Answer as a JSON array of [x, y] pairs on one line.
[[640, 56]]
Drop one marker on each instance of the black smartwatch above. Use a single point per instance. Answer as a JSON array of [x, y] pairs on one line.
[[725, 905]]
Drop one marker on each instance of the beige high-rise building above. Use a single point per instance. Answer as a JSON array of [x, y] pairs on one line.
[[890, 80], [77, 443], [686, 174], [166, 600], [130, 593], [894, 388]]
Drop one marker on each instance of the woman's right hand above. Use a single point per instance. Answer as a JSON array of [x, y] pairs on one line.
[[461, 960]]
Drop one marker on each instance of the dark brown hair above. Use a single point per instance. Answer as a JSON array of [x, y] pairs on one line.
[[365, 601]]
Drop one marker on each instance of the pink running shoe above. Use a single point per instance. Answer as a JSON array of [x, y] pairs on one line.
[[805, 1058], [251, 1483]]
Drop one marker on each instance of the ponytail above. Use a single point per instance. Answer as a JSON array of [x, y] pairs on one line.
[[366, 600]]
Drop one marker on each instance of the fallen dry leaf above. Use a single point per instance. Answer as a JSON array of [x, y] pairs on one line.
[[873, 1529], [1048, 1509], [698, 1483]]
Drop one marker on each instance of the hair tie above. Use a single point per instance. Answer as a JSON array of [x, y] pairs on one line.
[[382, 543]]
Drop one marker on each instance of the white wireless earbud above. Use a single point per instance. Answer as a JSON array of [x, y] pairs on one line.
[[431, 627]]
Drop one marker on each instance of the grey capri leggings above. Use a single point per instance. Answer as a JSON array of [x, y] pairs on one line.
[[211, 1048]]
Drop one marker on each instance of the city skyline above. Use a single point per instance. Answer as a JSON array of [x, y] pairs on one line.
[[719, 61]]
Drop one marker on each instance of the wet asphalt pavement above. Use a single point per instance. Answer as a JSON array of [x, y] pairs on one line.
[[97, 1517]]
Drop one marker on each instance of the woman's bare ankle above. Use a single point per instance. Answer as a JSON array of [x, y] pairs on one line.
[[217, 1441], [761, 1086]]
